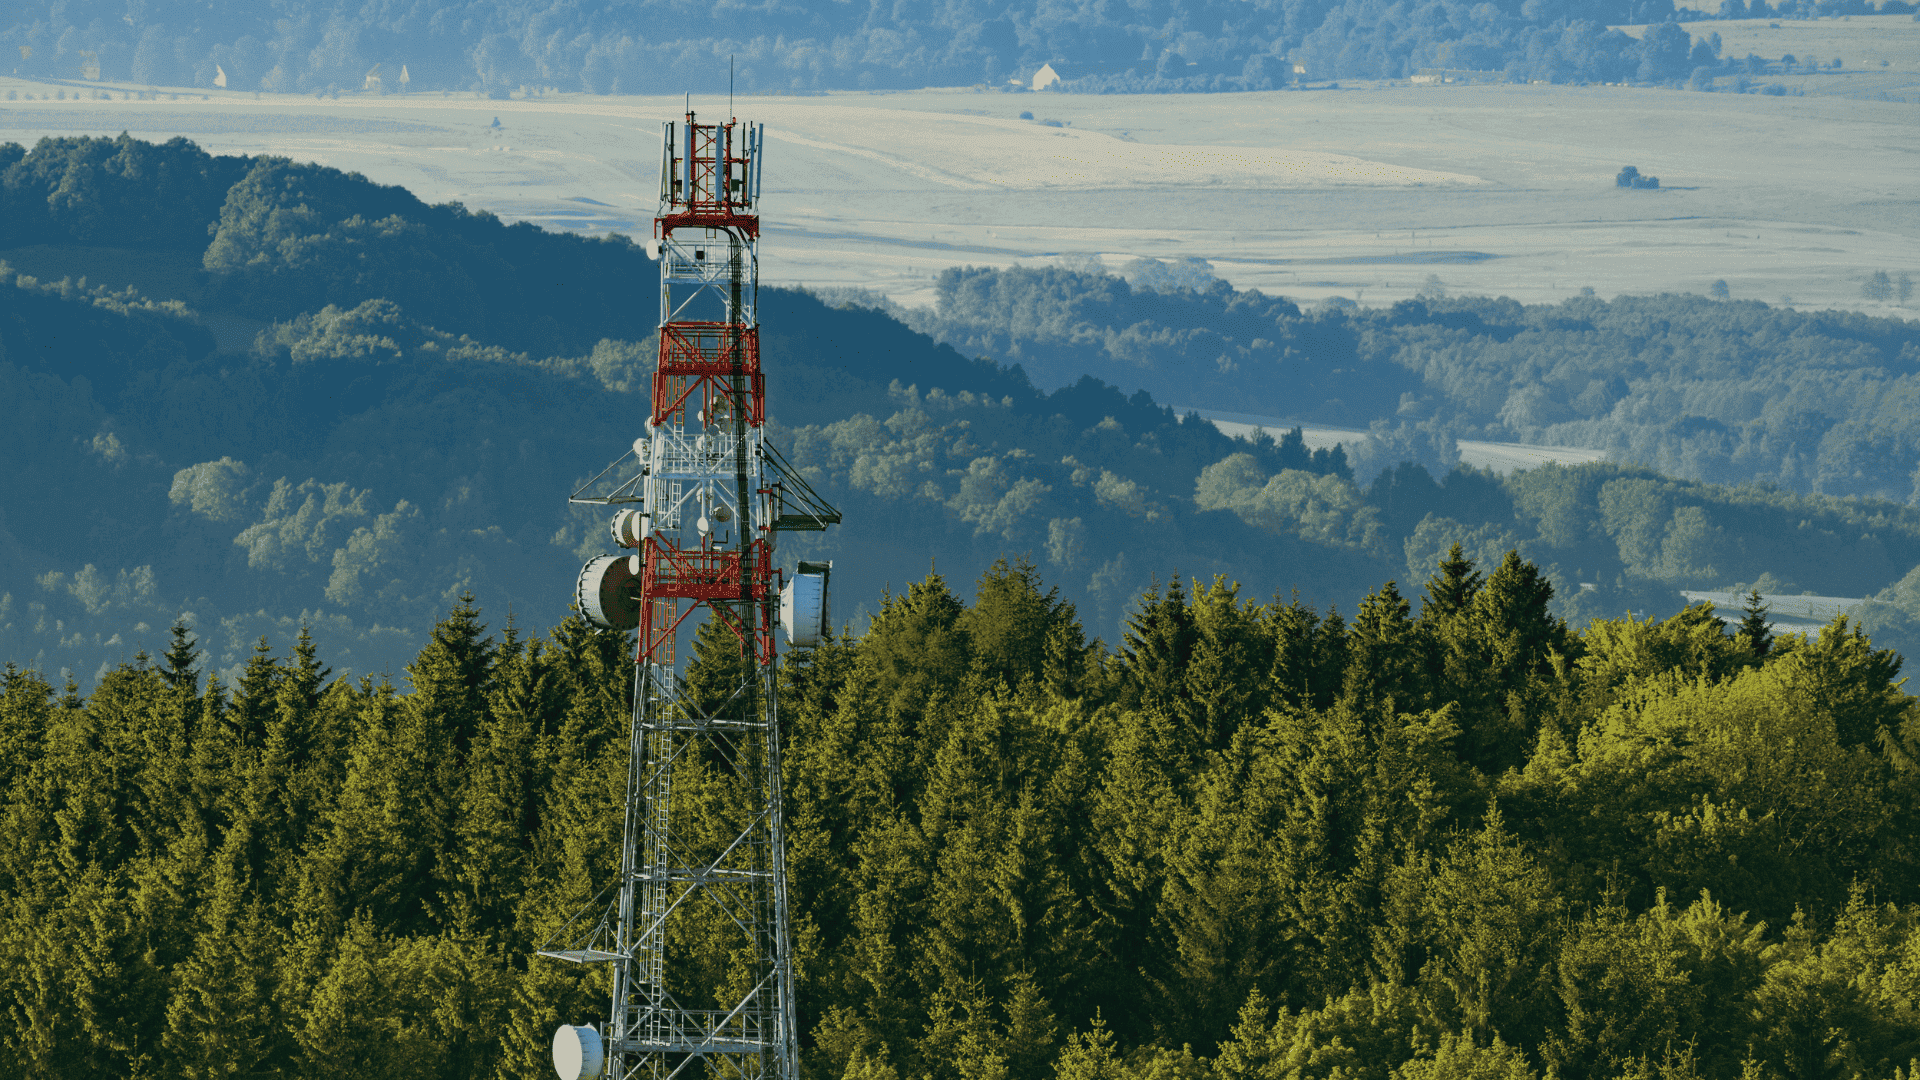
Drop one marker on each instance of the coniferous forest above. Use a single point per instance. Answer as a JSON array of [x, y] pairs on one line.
[[1482, 824], [1439, 836]]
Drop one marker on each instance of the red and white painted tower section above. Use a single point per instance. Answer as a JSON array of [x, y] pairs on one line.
[[698, 504]]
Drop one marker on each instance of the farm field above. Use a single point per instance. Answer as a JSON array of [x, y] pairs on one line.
[[1365, 192], [1867, 45], [1501, 457]]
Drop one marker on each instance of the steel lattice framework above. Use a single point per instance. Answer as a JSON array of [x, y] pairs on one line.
[[700, 500]]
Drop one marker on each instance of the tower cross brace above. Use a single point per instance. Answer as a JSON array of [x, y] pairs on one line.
[[699, 501]]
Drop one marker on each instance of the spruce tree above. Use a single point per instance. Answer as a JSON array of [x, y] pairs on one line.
[[353, 1028], [1309, 655], [26, 710], [452, 674], [1031, 1032], [169, 812], [1502, 655], [1071, 670], [1010, 622], [385, 834], [308, 742], [1135, 806], [254, 698], [1491, 918], [213, 753], [1232, 653], [221, 1017], [1159, 644], [499, 807], [180, 657], [917, 646], [1385, 653], [1220, 932], [1756, 631], [1090, 1055], [1451, 588], [716, 671]]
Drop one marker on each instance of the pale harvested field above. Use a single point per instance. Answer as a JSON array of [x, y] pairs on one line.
[[1500, 457], [1361, 192], [1864, 43]]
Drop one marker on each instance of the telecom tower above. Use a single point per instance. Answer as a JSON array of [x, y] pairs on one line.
[[698, 503]]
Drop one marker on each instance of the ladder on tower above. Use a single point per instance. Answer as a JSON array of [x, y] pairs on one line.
[[700, 501]]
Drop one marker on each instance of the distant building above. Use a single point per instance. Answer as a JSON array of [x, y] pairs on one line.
[[1055, 72], [89, 65]]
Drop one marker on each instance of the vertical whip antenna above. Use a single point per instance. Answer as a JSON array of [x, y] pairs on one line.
[[698, 504]]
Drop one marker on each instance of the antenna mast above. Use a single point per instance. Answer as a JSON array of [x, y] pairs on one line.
[[700, 500]]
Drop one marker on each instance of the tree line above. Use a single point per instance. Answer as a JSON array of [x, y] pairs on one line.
[[1725, 391], [500, 46], [1444, 835], [270, 238]]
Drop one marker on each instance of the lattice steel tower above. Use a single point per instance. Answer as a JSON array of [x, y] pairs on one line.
[[698, 503]]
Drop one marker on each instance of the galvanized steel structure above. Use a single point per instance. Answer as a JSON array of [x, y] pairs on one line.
[[698, 502]]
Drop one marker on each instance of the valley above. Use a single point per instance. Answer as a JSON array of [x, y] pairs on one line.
[[1369, 191]]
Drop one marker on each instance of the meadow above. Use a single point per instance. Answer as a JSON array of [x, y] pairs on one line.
[[1365, 191]]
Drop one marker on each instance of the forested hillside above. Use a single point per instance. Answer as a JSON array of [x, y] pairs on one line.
[[1447, 837], [647, 46], [335, 404], [1726, 391], [344, 405]]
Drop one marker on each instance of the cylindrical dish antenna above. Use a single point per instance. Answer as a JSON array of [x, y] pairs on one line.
[[578, 1053]]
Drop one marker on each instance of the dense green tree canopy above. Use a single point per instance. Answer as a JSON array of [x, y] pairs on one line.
[[1258, 842]]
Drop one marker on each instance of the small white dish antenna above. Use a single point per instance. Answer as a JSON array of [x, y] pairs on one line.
[[630, 528], [578, 1053], [805, 612]]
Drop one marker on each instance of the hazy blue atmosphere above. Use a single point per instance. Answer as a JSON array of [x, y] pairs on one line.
[[1379, 541], [344, 415], [652, 47]]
